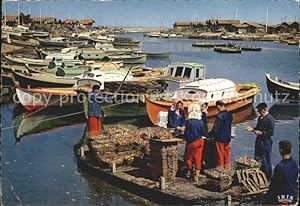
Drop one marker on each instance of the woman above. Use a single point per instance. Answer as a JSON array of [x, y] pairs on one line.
[[204, 108], [176, 117], [194, 135]]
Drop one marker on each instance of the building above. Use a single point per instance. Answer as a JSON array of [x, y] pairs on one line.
[[239, 28], [71, 22], [44, 20], [253, 27], [10, 20], [218, 25], [182, 25], [292, 26], [86, 22]]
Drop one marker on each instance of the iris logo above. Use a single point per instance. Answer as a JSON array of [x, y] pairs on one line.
[[285, 198]]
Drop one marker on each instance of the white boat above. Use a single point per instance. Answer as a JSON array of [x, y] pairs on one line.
[[179, 74]]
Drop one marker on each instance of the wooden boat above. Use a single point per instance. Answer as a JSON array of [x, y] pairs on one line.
[[125, 42], [282, 90], [59, 42], [156, 54], [41, 98], [40, 62], [247, 48], [110, 48], [293, 42], [227, 49], [95, 55], [26, 79], [235, 96], [203, 44]]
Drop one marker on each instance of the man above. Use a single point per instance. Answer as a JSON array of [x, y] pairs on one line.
[[221, 132], [264, 130], [95, 114], [284, 181], [176, 117]]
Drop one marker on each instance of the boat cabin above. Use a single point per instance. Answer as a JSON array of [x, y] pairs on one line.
[[207, 90], [178, 74]]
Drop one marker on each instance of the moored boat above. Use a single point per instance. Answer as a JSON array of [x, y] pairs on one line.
[[203, 44], [59, 42], [227, 49], [235, 96], [250, 48], [157, 54], [283, 91]]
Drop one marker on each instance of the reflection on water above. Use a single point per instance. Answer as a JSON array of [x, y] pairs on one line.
[[285, 111]]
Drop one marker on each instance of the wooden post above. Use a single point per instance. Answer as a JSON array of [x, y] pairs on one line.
[[113, 167], [228, 200], [162, 183]]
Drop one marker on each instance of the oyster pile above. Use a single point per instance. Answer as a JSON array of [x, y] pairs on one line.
[[155, 133], [219, 173], [246, 161]]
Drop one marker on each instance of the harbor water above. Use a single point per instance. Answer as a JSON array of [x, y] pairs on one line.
[[38, 161]]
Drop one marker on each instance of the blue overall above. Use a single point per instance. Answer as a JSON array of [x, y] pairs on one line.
[[263, 143]]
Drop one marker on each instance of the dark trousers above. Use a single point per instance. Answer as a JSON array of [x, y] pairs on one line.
[[263, 148]]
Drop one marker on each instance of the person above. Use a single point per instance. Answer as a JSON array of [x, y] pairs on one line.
[[284, 181], [176, 117], [194, 135], [264, 130], [221, 132], [95, 113], [204, 111]]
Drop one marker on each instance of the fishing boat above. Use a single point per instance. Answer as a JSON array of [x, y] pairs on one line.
[[250, 48], [25, 79], [203, 44], [125, 42], [95, 55], [235, 96], [283, 91], [227, 49], [293, 42], [110, 48], [179, 74], [40, 62], [41, 98], [156, 54], [59, 42]]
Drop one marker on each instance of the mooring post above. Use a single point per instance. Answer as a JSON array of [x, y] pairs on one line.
[[162, 183], [113, 167], [228, 200], [82, 151]]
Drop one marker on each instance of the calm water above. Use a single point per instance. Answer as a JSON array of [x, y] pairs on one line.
[[39, 168]]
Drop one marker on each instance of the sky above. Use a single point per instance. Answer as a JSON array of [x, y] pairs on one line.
[[155, 13]]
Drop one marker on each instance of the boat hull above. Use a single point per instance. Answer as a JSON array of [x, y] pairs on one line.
[[281, 92], [154, 107], [35, 99], [25, 80], [227, 50]]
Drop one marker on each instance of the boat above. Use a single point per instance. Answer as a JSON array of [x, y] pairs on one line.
[[156, 54], [227, 49], [293, 42], [203, 44], [110, 48], [40, 62], [235, 96], [283, 91], [25, 79], [41, 98], [179, 74], [125, 42], [59, 42], [95, 55], [247, 48]]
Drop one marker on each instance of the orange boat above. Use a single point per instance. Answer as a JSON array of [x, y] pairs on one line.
[[235, 96]]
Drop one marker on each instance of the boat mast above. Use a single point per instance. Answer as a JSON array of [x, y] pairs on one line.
[[267, 14], [40, 15], [4, 12], [18, 12]]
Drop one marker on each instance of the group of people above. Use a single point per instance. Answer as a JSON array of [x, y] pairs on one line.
[[193, 128]]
